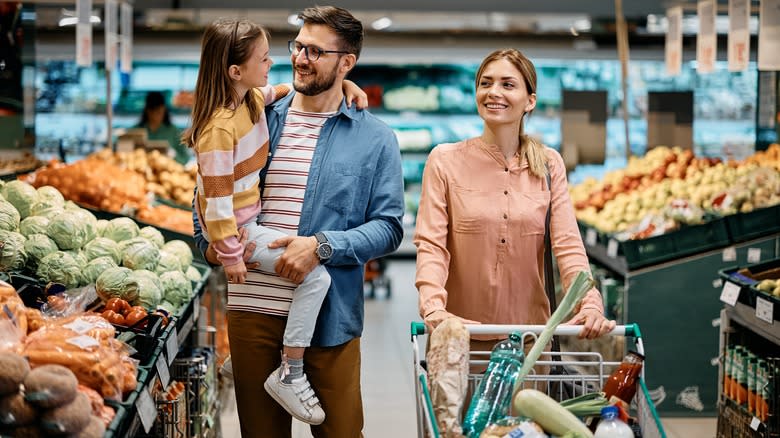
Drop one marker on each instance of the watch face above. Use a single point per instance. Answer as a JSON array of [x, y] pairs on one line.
[[324, 251]]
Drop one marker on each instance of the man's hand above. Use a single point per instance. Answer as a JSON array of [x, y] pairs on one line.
[[236, 274], [438, 316], [298, 259], [249, 249]]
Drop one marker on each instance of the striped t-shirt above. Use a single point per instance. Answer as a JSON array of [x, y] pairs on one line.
[[285, 187]]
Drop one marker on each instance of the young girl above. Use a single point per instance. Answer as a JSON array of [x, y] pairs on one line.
[[229, 134]]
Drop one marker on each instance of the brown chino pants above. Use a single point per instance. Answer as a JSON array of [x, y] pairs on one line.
[[334, 373]]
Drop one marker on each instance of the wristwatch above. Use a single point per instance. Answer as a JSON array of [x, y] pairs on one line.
[[324, 251]]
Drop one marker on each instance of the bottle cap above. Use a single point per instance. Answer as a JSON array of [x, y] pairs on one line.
[[609, 411], [516, 336]]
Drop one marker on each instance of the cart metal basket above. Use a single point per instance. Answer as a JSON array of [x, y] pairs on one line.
[[592, 371]]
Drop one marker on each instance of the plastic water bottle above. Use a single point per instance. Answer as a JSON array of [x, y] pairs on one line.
[[492, 399], [611, 426]]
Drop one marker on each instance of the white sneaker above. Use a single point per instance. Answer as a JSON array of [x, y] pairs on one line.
[[296, 397]]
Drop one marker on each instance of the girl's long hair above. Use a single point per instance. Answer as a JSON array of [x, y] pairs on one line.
[[532, 150], [225, 43]]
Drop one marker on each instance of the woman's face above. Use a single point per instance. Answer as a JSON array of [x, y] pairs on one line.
[[501, 94], [156, 115]]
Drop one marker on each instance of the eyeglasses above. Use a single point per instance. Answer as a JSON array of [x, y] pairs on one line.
[[312, 53]]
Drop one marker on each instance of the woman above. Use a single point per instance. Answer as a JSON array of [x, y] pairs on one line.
[[157, 122], [481, 219]]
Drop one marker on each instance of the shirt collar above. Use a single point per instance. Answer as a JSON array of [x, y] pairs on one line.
[[496, 153], [281, 106]]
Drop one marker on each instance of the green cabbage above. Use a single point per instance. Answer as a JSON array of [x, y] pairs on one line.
[[168, 262], [101, 227], [150, 289], [38, 246], [181, 250], [117, 282], [154, 235], [103, 247], [89, 221], [60, 267], [70, 205], [68, 230], [97, 266], [33, 225], [177, 287], [120, 229], [139, 253], [21, 195], [9, 217], [79, 257], [193, 274], [51, 194], [46, 208], [12, 254], [167, 307]]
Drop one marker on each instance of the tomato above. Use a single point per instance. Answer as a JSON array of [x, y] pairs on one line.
[[118, 305], [114, 317], [134, 316]]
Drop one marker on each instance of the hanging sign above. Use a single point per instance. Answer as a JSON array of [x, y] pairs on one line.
[[126, 28], [769, 35], [739, 35], [674, 41], [707, 41], [83, 33], [111, 38]]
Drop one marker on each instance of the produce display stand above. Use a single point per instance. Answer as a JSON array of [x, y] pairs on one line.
[[594, 373], [674, 298], [749, 317], [160, 370]]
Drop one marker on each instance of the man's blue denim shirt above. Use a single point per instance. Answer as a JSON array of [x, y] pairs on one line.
[[355, 196]]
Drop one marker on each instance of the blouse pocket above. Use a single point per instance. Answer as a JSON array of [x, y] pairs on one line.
[[532, 212], [469, 210]]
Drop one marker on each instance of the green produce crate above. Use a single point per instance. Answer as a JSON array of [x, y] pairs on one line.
[[644, 252], [757, 223], [699, 238]]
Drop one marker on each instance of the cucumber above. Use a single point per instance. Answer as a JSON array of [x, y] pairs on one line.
[[553, 418]]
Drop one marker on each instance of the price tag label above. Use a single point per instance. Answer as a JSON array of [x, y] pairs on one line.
[[754, 255], [163, 371], [172, 346], [590, 237], [730, 254], [755, 423], [147, 410], [730, 293], [196, 307], [765, 310], [612, 248]]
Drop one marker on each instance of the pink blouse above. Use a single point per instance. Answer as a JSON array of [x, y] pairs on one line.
[[480, 235]]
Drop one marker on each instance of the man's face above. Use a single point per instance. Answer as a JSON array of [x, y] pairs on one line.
[[311, 78]]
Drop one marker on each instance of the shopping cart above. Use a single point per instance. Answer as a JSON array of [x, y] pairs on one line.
[[592, 372]]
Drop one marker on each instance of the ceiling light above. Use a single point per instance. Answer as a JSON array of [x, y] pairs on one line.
[[382, 23], [294, 20], [70, 21]]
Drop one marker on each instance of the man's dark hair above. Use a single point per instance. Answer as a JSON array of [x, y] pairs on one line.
[[346, 26]]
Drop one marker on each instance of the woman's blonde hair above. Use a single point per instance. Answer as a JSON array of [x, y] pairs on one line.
[[532, 150], [225, 43]]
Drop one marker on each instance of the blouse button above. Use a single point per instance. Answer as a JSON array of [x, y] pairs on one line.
[[506, 169], [503, 240], [506, 192], [505, 216]]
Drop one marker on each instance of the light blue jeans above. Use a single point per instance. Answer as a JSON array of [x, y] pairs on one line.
[[307, 297]]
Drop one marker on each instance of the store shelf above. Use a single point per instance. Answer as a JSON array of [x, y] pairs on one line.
[[746, 316]]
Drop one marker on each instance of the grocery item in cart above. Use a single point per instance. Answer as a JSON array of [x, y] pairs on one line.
[[611, 426], [622, 382], [448, 372], [492, 399]]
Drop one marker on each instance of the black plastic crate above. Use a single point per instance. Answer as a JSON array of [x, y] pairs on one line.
[[757, 223]]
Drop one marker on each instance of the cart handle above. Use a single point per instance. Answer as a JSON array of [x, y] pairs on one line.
[[632, 330]]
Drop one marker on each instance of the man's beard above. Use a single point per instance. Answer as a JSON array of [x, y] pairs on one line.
[[317, 85]]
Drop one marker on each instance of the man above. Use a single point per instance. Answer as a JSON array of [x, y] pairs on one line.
[[334, 183]]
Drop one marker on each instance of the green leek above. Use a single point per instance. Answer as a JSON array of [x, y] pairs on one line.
[[579, 287]]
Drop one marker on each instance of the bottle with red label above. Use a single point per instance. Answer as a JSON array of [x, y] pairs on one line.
[[622, 382]]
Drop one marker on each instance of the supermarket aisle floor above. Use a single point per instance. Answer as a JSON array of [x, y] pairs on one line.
[[388, 388]]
